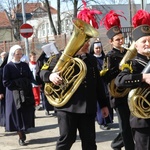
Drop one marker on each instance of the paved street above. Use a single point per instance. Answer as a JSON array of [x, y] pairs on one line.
[[45, 134]]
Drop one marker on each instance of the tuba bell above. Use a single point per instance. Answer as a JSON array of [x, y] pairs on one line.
[[139, 99], [58, 96]]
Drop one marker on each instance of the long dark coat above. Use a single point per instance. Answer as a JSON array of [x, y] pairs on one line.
[[21, 118], [2, 91], [134, 80], [2, 102], [40, 62]]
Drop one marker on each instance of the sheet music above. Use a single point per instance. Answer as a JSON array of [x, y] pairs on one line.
[[50, 49]]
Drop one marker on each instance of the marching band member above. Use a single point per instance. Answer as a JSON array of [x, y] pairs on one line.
[[131, 76], [80, 111], [40, 62], [112, 23]]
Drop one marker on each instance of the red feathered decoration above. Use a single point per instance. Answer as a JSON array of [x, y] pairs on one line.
[[111, 19], [88, 15], [141, 17]]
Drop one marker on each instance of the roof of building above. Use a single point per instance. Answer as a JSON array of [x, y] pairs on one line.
[[31, 7], [4, 21]]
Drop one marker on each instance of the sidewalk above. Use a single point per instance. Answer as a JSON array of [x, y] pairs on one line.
[[45, 134]]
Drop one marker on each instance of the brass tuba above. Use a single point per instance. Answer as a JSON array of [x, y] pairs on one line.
[[58, 96], [139, 99], [113, 89]]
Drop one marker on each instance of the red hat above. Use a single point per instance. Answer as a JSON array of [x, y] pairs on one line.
[[141, 23], [112, 23], [88, 15]]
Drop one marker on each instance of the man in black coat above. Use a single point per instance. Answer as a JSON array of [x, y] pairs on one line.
[[132, 77], [118, 100], [80, 111], [40, 62]]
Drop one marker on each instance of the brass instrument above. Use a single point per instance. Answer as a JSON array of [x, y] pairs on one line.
[[121, 92], [139, 99], [131, 53], [58, 96], [113, 89]]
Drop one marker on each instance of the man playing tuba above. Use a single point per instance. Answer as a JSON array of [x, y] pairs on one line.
[[78, 112], [137, 76]]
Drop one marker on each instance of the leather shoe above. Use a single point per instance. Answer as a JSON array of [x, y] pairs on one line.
[[21, 142], [105, 127], [23, 136]]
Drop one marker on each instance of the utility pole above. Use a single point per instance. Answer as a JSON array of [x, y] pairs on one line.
[[24, 21], [143, 4], [130, 13]]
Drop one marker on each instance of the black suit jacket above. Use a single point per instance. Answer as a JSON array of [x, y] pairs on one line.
[[113, 59], [133, 80], [88, 93]]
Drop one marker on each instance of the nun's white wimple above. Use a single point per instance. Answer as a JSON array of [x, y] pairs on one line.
[[12, 51], [97, 45]]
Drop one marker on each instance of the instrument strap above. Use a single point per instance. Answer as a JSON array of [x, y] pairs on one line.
[[47, 64]]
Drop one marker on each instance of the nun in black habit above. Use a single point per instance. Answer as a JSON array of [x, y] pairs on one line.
[[17, 79]]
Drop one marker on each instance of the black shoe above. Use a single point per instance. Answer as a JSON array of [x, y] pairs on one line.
[[21, 142], [23, 136], [117, 149], [105, 127]]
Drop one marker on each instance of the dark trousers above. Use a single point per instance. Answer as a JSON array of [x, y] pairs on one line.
[[2, 112], [123, 114], [142, 139], [46, 105], [68, 125], [117, 142]]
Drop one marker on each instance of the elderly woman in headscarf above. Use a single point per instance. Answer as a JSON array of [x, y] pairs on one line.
[[2, 92], [17, 79], [2, 57]]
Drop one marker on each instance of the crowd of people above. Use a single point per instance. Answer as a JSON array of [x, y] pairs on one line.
[[100, 93]]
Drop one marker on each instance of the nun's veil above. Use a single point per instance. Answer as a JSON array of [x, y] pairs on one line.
[[12, 51]]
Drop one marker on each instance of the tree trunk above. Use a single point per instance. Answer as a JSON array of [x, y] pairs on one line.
[[75, 8], [50, 18], [58, 17]]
